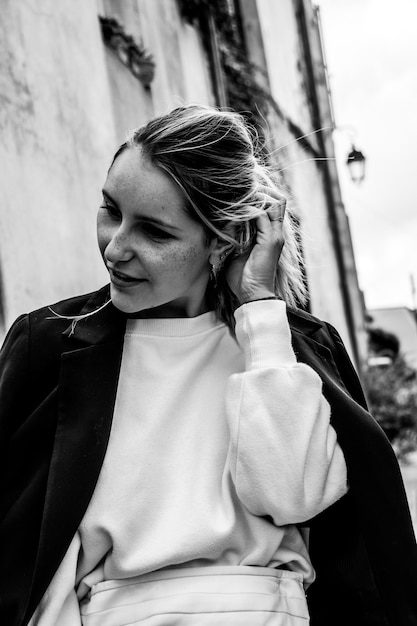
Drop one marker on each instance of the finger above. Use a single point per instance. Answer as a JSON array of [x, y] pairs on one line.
[[272, 192], [275, 201], [276, 214], [270, 225]]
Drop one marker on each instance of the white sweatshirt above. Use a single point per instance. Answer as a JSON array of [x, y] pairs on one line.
[[210, 435]]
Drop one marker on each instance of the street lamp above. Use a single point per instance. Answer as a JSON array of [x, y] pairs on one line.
[[356, 165]]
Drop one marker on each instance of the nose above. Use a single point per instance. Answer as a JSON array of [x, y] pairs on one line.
[[118, 248]]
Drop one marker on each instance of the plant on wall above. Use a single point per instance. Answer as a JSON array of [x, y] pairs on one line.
[[134, 56], [244, 94]]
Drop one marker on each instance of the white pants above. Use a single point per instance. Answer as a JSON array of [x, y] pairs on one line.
[[202, 596]]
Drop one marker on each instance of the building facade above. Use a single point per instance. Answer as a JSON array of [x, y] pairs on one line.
[[76, 76]]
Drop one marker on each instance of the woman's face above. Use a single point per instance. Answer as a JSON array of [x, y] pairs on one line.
[[156, 255]]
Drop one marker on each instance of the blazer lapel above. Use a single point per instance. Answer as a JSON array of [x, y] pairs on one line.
[[90, 366]]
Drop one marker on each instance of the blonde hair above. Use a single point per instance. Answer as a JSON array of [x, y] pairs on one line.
[[212, 156]]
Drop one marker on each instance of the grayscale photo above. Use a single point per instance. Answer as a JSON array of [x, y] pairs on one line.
[[208, 313]]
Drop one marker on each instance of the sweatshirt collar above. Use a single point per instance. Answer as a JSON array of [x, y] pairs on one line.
[[109, 324]]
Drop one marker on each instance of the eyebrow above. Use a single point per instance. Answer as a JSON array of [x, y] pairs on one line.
[[142, 218]]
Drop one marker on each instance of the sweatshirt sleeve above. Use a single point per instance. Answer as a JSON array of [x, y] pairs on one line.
[[285, 459]]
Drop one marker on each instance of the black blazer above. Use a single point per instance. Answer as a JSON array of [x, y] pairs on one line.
[[57, 394]]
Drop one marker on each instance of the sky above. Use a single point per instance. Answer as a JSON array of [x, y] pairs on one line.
[[371, 50]]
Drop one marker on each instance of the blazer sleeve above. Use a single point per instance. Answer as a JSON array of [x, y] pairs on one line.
[[350, 377], [359, 544]]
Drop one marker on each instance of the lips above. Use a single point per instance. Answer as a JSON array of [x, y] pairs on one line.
[[122, 279]]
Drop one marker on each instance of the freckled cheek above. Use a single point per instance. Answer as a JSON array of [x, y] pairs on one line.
[[178, 262], [186, 261]]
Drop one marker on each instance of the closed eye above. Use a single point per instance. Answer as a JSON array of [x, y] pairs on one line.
[[154, 232], [113, 211]]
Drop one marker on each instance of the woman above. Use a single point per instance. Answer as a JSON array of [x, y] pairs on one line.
[[186, 447]]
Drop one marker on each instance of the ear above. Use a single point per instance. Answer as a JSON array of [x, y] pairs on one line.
[[219, 251]]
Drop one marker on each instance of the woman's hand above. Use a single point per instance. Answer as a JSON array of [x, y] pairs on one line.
[[251, 275]]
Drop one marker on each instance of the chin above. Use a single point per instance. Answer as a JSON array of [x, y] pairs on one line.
[[125, 303]]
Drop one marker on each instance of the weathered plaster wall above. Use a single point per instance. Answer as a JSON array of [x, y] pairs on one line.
[[282, 48], [183, 74], [318, 246], [285, 60], [57, 133], [66, 102], [350, 278]]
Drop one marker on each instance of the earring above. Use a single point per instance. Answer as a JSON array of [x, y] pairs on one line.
[[213, 275], [215, 269]]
